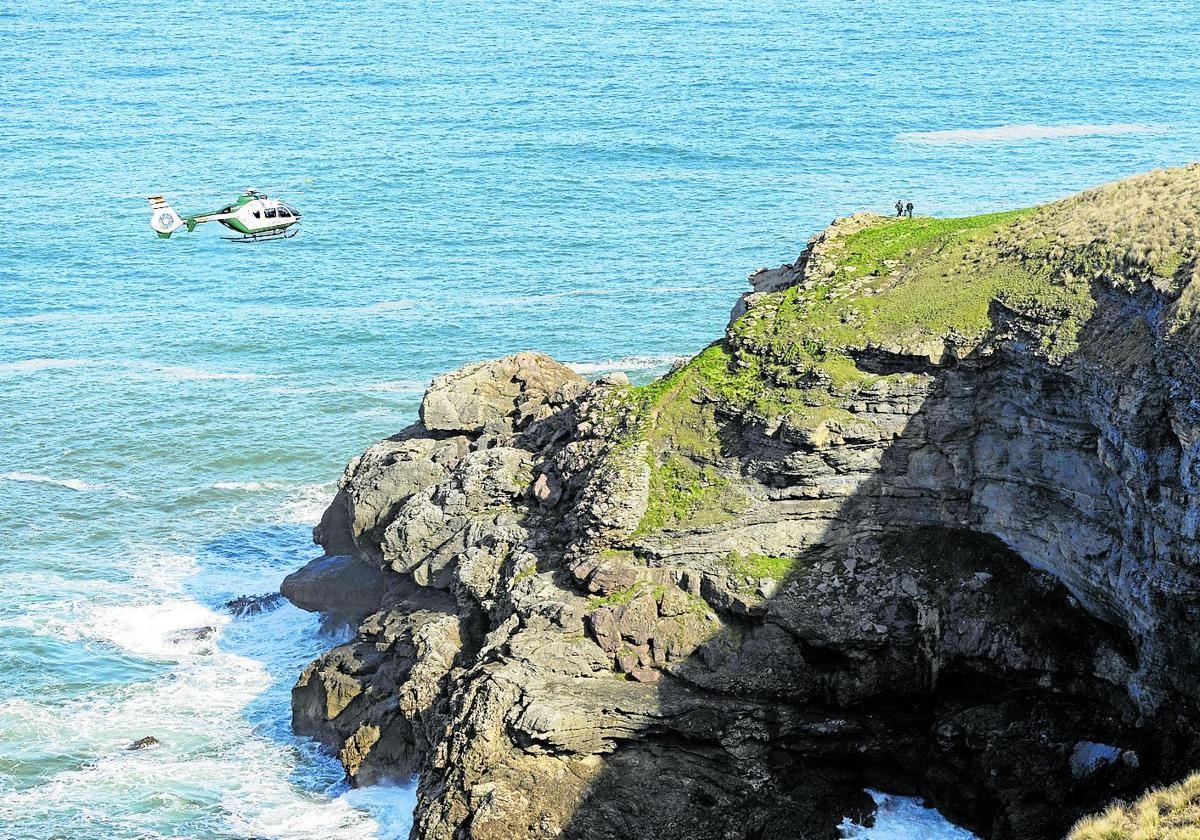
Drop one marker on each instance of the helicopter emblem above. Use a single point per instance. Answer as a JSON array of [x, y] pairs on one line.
[[254, 216]]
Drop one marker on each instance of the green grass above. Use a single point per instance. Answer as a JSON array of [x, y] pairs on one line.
[[759, 566], [907, 283], [867, 251], [688, 481], [621, 596], [685, 493]]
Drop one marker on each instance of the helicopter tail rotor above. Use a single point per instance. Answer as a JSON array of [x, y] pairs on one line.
[[163, 217]]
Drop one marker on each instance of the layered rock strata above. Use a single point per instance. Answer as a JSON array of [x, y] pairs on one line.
[[926, 519]]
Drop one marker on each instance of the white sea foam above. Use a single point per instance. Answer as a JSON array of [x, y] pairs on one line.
[[308, 504], [1015, 133], [70, 483], [627, 363], [34, 365], [249, 486], [165, 630], [388, 306], [186, 373], [399, 386], [221, 715], [394, 386], [380, 812], [904, 818], [183, 373]]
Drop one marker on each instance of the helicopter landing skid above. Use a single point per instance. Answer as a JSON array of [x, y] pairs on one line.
[[286, 233]]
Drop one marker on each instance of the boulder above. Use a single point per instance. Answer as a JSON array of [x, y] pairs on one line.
[[509, 390], [345, 586]]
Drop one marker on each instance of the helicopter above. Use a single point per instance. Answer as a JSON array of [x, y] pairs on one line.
[[253, 215]]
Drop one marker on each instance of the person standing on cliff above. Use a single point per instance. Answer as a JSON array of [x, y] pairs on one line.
[[908, 209], [899, 208]]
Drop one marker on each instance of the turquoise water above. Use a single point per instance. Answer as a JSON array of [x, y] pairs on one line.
[[593, 180]]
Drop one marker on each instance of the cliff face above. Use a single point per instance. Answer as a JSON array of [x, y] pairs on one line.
[[925, 519]]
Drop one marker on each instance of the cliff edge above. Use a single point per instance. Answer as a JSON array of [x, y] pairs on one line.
[[925, 519]]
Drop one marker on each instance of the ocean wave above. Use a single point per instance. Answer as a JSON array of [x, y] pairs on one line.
[[70, 483], [220, 714], [388, 306], [378, 308], [627, 363], [183, 373], [904, 818], [1031, 131]]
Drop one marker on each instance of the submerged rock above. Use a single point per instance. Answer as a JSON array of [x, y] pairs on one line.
[[143, 743], [193, 634], [245, 605], [925, 520]]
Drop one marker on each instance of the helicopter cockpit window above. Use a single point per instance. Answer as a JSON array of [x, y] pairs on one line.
[[284, 213], [269, 212]]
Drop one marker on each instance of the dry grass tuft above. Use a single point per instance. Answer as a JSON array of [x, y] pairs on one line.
[[1137, 229], [1169, 813]]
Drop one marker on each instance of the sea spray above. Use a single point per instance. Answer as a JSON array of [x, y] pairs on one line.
[[904, 818]]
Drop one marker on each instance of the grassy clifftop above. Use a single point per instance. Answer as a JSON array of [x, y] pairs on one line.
[[923, 288]]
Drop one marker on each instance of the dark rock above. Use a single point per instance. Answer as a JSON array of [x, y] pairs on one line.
[[345, 585]]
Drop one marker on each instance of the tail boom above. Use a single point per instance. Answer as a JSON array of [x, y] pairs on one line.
[[163, 218]]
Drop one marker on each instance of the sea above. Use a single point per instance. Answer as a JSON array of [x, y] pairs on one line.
[[594, 180]]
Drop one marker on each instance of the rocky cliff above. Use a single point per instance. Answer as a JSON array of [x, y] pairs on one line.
[[925, 519]]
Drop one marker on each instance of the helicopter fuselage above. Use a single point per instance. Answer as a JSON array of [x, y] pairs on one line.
[[254, 214]]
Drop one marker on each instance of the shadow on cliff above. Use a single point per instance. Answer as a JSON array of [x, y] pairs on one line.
[[915, 648]]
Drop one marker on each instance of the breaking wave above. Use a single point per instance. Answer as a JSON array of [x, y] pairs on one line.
[[70, 483], [215, 696], [1031, 131]]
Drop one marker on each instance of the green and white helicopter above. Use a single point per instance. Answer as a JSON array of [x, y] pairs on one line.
[[253, 215]]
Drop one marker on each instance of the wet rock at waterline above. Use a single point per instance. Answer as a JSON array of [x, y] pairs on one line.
[[245, 605]]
